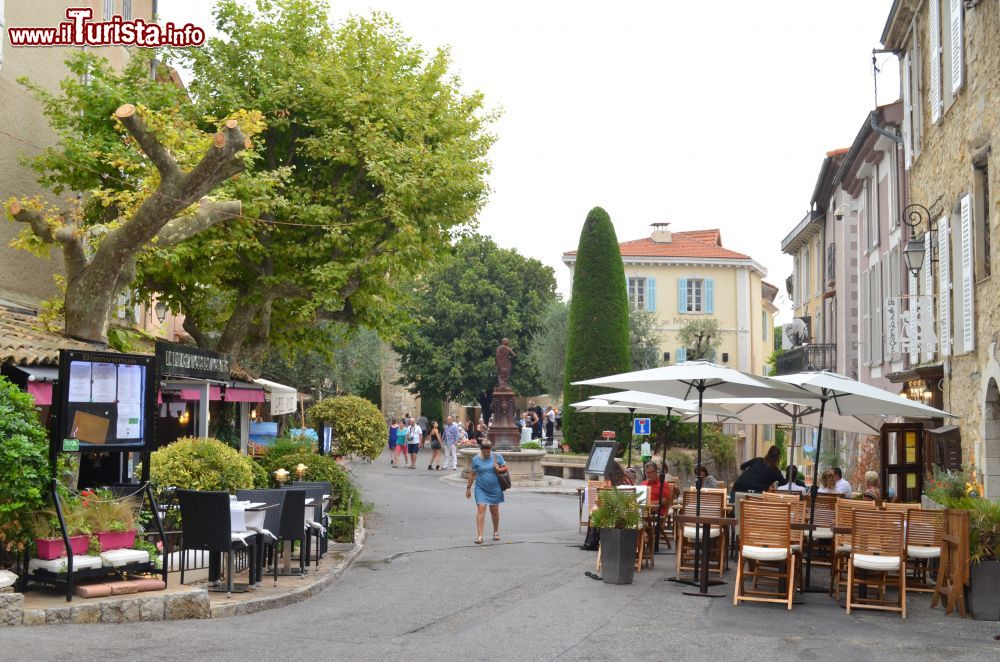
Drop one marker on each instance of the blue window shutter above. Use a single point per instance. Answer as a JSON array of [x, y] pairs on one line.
[[682, 355], [682, 295], [709, 296], [651, 295]]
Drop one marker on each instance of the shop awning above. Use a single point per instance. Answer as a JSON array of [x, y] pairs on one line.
[[214, 393], [283, 398], [40, 380], [238, 391]]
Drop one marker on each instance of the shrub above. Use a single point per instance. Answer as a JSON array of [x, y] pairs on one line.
[[201, 464], [23, 465], [681, 465], [722, 449], [358, 426], [320, 468], [531, 446], [597, 343], [616, 509]]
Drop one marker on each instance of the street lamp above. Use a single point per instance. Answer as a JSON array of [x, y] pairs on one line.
[[914, 216], [914, 254], [161, 311]]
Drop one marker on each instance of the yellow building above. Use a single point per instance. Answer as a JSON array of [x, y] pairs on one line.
[[684, 276]]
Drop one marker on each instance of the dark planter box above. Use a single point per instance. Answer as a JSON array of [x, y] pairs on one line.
[[984, 590], [618, 555]]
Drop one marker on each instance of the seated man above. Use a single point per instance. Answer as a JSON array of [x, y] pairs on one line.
[[795, 484], [658, 492]]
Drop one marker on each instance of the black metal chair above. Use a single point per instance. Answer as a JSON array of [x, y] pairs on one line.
[[320, 515], [291, 528], [268, 536], [206, 524]]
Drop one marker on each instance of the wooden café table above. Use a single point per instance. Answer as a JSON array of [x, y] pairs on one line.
[[701, 568]]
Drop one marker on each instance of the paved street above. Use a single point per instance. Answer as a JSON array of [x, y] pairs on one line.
[[422, 590]]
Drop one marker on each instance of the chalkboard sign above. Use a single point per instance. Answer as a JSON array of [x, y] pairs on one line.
[[106, 401], [602, 453]]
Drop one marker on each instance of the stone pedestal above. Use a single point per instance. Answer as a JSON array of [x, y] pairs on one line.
[[503, 431], [525, 466]]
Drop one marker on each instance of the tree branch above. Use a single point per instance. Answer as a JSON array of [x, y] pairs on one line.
[[209, 213], [66, 236], [148, 142]]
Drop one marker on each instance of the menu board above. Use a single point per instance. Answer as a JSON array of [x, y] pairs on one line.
[[601, 455], [106, 401]]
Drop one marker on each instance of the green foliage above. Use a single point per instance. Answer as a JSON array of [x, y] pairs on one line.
[[597, 343], [24, 469], [772, 361], [432, 409], [468, 301], [944, 485], [358, 426], [380, 156], [531, 445], [319, 468], [260, 478], [680, 463], [644, 339], [616, 509], [779, 442], [722, 449], [201, 464], [702, 337], [100, 511], [547, 351], [961, 489]]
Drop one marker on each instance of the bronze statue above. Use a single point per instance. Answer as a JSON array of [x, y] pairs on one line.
[[504, 355]]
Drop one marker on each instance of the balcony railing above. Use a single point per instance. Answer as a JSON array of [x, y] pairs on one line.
[[807, 357]]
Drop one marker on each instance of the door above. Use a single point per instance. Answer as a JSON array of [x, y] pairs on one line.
[[902, 461]]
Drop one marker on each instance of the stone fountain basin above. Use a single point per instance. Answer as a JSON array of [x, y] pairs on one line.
[[525, 466]]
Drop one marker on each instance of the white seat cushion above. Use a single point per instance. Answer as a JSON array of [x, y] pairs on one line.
[[764, 553], [872, 562], [59, 565], [822, 533], [120, 557], [690, 531], [922, 552], [844, 549]]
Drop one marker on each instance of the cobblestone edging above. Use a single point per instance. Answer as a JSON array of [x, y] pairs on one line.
[[171, 607]]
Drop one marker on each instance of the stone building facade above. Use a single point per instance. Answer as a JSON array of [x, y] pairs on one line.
[[950, 73]]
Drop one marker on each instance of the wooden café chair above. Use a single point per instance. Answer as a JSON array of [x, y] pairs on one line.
[[877, 549], [591, 500], [824, 519], [712, 505], [953, 570], [842, 541], [787, 497], [923, 545], [765, 539]]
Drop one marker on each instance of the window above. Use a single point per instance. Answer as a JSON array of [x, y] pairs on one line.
[[804, 277], [764, 324], [871, 208], [947, 57], [866, 319], [109, 9], [127, 10], [637, 293], [911, 81], [981, 217], [819, 267], [695, 295]]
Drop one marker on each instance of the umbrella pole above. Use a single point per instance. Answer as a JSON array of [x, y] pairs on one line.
[[631, 434], [791, 445], [663, 475], [812, 499]]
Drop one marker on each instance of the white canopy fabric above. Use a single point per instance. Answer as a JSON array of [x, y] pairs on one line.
[[602, 406], [848, 396], [772, 411], [283, 398], [651, 403]]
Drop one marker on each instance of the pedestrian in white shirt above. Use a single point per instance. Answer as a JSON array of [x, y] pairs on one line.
[[842, 487], [414, 435], [791, 485]]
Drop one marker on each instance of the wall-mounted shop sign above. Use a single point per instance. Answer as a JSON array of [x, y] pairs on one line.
[[183, 361]]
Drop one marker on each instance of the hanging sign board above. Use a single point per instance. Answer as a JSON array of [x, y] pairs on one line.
[[909, 330], [608, 434], [602, 454], [188, 362], [107, 401]]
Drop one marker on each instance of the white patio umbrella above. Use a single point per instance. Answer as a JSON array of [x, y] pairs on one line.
[[704, 379], [849, 397]]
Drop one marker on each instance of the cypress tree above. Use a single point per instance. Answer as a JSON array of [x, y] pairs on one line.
[[598, 340]]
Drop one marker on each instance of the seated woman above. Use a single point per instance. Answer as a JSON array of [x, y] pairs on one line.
[[795, 484], [828, 482], [760, 473], [872, 491], [707, 480]]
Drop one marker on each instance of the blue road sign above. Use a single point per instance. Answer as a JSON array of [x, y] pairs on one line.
[[641, 426]]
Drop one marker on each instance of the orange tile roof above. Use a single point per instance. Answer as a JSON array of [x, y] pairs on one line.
[[24, 340], [694, 244]]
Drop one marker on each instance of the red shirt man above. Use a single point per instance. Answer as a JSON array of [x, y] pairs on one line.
[[661, 493]]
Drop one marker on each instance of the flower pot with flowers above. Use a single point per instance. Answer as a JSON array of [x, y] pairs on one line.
[[49, 542], [112, 520]]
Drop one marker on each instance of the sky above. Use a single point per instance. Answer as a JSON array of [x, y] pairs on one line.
[[700, 114]]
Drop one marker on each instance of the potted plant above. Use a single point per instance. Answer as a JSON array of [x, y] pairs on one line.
[[112, 520], [49, 542], [617, 516]]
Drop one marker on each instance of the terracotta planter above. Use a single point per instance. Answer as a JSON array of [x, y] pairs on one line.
[[52, 548], [116, 539]]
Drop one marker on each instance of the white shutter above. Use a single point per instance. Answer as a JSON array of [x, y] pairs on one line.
[[968, 281], [944, 283], [928, 284], [866, 319], [957, 46], [878, 306], [907, 112], [935, 32]]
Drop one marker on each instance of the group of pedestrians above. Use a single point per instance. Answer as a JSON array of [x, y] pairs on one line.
[[542, 423], [408, 435]]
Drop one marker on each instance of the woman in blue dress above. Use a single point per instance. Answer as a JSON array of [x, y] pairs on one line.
[[483, 473]]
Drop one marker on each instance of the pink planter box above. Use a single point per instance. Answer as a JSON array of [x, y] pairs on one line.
[[116, 539], [52, 548]]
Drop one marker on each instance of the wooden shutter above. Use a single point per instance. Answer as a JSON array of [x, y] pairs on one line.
[[928, 285], [907, 112], [957, 46], [935, 33], [682, 295], [709, 295], [682, 355], [651, 295], [968, 280], [944, 283]]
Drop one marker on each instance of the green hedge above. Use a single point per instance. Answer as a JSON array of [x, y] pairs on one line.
[[358, 426], [201, 464], [320, 468], [598, 340], [23, 465]]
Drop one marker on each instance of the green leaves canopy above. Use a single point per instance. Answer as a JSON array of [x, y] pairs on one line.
[[460, 310]]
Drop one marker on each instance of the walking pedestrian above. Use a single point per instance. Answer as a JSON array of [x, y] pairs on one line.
[[537, 414], [550, 424], [435, 447], [483, 472], [480, 433], [393, 428], [451, 439], [414, 440], [400, 454]]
